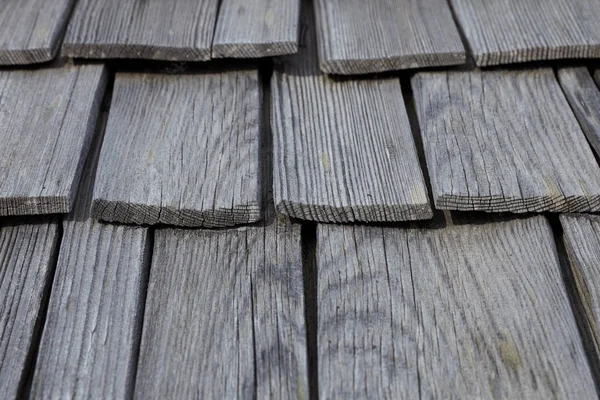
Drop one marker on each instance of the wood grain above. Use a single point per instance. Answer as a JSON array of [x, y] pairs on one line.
[[584, 98], [343, 150], [462, 312], [225, 315], [181, 150], [256, 28], [504, 141], [503, 31], [31, 30], [358, 37], [27, 254], [48, 118], [582, 240], [177, 30]]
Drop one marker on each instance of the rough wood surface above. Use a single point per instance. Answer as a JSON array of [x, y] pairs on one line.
[[463, 312], [27, 254], [358, 37], [181, 150], [48, 118], [225, 316], [176, 30], [31, 30], [582, 239], [256, 28], [505, 31], [584, 98], [504, 141], [343, 150]]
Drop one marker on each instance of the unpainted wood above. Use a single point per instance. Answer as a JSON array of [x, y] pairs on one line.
[[48, 118], [501, 141], [256, 28], [31, 30], [584, 98], [358, 37], [462, 312], [27, 254], [343, 150], [182, 150], [225, 315], [504, 32], [176, 30], [582, 240]]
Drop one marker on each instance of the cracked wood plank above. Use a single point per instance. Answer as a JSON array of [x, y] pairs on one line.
[[583, 96], [31, 30], [358, 37], [182, 150], [504, 32], [256, 28], [90, 343], [463, 312], [27, 254], [500, 141], [343, 150], [48, 118], [176, 30], [225, 315], [582, 240]]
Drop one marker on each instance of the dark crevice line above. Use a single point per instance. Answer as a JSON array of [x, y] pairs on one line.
[[141, 311], [217, 13], [309, 273], [470, 58], [265, 161], [254, 353], [24, 391], [575, 301]]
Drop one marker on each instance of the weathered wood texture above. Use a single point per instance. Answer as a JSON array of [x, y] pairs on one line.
[[582, 240], [48, 118], [358, 37], [343, 150], [463, 312], [225, 316], [27, 254], [181, 150], [505, 31], [31, 30], [504, 141], [256, 28], [584, 98], [176, 30]]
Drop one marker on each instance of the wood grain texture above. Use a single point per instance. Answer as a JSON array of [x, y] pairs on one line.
[[48, 118], [256, 28], [358, 37], [504, 141], [582, 240], [176, 30], [27, 255], [505, 31], [463, 312], [343, 150], [225, 316], [584, 99], [31, 30], [181, 150]]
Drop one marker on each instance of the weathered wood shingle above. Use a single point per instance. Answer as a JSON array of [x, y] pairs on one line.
[[343, 150], [506, 31], [181, 150], [225, 315], [358, 37], [504, 141], [462, 312], [176, 30], [32, 30], [47, 120], [256, 28]]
